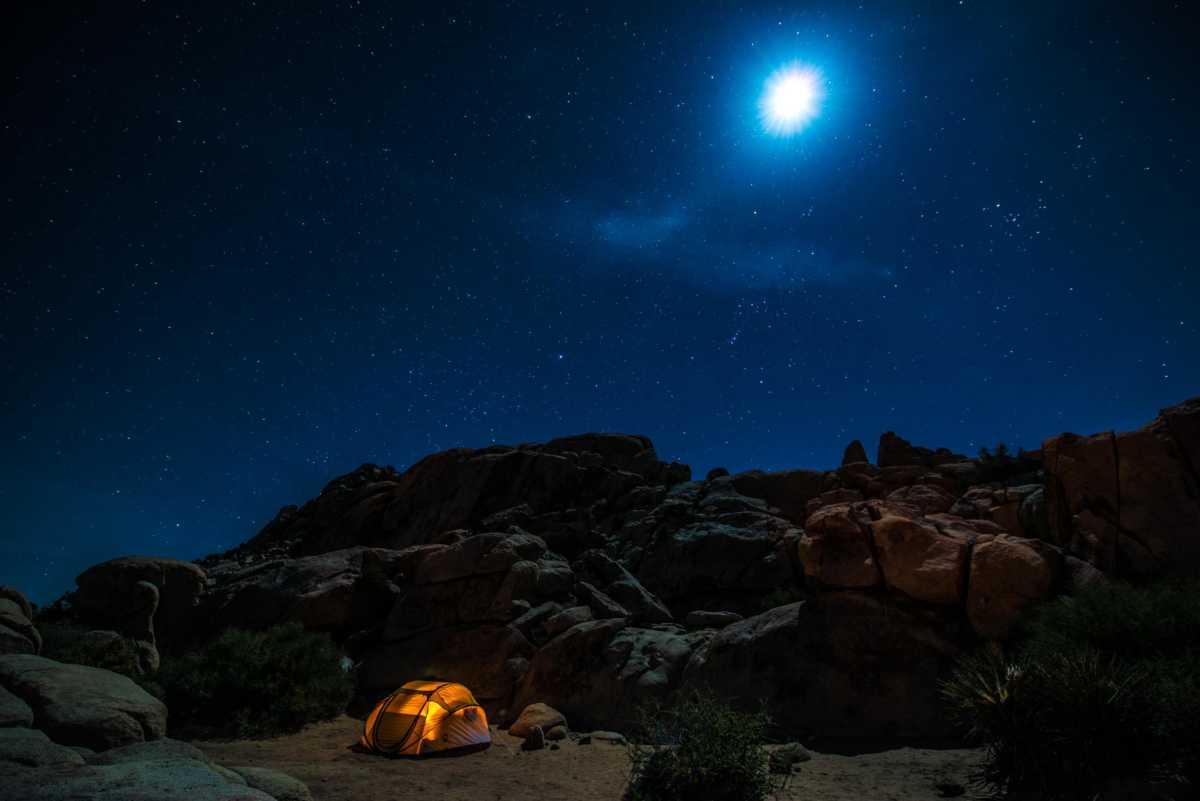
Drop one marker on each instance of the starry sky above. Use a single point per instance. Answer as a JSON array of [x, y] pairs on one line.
[[249, 246]]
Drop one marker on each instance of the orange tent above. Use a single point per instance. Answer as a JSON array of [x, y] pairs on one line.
[[424, 717]]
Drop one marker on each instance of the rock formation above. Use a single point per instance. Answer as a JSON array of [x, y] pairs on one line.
[[586, 574], [69, 731]]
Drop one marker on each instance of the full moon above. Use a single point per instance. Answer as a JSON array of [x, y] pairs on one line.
[[790, 100]]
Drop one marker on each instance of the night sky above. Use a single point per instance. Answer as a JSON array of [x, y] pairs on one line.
[[248, 247]]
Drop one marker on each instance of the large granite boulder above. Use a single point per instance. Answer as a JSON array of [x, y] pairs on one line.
[[1129, 503], [835, 549], [848, 666], [340, 591], [18, 634], [597, 673], [1008, 575], [152, 599], [919, 560], [78, 705]]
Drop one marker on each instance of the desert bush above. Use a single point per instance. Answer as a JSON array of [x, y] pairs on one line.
[[699, 748], [255, 683], [1152, 622], [1102, 688]]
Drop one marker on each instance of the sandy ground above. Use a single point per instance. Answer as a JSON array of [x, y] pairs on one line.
[[319, 756]]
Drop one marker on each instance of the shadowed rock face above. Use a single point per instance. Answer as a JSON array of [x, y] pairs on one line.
[[1129, 503], [586, 574], [77, 705]]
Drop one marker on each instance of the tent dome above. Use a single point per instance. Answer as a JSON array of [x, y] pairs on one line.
[[424, 717]]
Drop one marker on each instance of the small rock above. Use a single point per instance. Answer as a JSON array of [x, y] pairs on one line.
[[537, 716], [553, 746], [585, 739], [611, 737], [556, 733], [535, 740], [785, 758]]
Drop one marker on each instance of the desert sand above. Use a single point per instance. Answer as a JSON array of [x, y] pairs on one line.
[[320, 755]]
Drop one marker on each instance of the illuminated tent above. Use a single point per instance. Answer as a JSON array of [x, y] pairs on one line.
[[425, 717]]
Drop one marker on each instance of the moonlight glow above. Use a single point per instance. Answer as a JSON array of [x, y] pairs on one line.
[[790, 100]]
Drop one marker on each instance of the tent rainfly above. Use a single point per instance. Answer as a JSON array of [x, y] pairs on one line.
[[425, 717]]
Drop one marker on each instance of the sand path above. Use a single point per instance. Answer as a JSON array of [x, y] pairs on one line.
[[319, 756]]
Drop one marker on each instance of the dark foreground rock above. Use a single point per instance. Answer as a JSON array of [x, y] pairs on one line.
[[77, 705]]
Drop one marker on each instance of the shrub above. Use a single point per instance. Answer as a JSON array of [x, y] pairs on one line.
[[700, 748], [256, 683], [1152, 622], [1103, 688]]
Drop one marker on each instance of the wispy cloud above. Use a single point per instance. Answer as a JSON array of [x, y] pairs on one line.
[[720, 247]]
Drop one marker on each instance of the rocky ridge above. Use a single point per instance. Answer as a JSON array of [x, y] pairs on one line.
[[587, 574]]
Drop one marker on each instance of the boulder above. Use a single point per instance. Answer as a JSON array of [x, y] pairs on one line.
[[831, 497], [151, 780], [537, 714], [919, 560], [895, 451], [32, 748], [18, 635], [14, 711], [280, 786], [17, 597], [786, 758], [789, 491], [535, 739], [930, 499], [338, 592], [849, 666], [835, 549], [603, 607], [724, 561], [78, 705], [565, 619], [855, 452], [115, 595], [161, 750], [616, 582], [1007, 576], [598, 673]]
